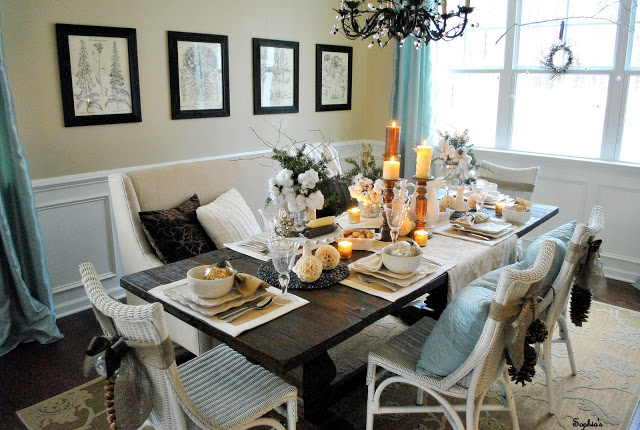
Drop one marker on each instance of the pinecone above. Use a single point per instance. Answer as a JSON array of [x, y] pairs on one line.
[[109, 402], [580, 304], [527, 372], [537, 332]]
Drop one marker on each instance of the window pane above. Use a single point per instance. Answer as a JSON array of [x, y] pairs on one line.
[[630, 150], [561, 116], [465, 100], [477, 47], [635, 53], [592, 40]]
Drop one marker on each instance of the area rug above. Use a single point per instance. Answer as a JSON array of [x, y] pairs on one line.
[[605, 391]]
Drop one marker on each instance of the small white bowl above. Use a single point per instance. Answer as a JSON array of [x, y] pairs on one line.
[[514, 216], [208, 288], [401, 265], [445, 215]]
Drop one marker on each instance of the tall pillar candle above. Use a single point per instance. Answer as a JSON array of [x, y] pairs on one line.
[[423, 160], [391, 141], [391, 169]]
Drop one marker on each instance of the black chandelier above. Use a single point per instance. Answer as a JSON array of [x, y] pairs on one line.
[[423, 20]]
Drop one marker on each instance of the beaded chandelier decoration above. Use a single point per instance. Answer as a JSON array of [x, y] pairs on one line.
[[422, 20]]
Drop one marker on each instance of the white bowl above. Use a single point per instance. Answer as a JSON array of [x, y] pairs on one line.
[[401, 265], [514, 216], [208, 288], [445, 215]]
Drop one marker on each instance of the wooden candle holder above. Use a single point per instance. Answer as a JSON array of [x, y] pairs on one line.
[[385, 231], [421, 203]]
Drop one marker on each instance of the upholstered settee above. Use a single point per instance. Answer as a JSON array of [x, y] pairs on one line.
[[167, 186]]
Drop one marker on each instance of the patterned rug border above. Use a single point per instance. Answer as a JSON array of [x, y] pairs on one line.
[[29, 425]]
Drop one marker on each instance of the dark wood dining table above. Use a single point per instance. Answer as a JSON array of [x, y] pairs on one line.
[[295, 345]]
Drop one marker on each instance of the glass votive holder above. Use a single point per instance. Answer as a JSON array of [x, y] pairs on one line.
[[421, 236], [354, 215], [344, 248], [499, 207]]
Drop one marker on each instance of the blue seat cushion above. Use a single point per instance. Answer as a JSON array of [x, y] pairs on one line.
[[459, 328]]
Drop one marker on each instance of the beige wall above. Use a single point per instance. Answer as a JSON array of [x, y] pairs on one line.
[[53, 150]]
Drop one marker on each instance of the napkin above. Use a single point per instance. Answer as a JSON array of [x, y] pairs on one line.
[[473, 218], [372, 263], [247, 284]]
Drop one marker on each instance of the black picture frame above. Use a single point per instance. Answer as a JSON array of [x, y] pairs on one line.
[[194, 95], [285, 99], [333, 88], [90, 94]]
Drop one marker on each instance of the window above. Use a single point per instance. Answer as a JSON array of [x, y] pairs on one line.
[[492, 80]]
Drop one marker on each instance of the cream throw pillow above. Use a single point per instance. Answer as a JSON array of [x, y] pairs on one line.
[[228, 219]]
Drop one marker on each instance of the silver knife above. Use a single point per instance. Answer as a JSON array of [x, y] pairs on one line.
[[243, 306]]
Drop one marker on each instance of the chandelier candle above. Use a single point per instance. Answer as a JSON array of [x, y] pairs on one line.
[[391, 141], [391, 169], [423, 159]]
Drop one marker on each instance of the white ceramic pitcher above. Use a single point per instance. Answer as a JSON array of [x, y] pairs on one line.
[[433, 208]]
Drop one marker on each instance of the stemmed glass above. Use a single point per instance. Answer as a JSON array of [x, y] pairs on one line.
[[480, 192], [283, 254], [395, 215]]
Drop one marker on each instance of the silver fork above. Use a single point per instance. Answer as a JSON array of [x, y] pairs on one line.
[[437, 263]]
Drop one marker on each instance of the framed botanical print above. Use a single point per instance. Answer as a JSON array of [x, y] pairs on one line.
[[198, 75], [98, 74], [333, 77], [275, 76]]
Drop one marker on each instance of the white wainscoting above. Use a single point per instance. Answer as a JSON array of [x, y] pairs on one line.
[[77, 224]]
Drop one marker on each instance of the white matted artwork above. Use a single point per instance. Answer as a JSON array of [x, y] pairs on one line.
[[275, 76], [200, 75], [98, 74], [333, 77]]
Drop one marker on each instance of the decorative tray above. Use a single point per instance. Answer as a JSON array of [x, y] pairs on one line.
[[268, 273]]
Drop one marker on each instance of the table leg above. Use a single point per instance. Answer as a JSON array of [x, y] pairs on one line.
[[317, 394]]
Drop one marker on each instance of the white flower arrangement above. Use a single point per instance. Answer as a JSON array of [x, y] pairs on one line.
[[298, 193], [365, 190], [451, 155]]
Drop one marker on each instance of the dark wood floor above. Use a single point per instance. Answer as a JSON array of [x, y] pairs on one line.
[[32, 372]]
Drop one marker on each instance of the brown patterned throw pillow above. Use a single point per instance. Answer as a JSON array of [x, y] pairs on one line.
[[176, 234]]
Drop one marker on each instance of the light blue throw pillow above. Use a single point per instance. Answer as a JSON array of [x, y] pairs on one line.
[[456, 333], [459, 328]]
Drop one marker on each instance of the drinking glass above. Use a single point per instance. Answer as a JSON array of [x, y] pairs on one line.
[[283, 254], [480, 191], [395, 215]]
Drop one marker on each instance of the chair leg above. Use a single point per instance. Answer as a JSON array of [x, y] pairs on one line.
[[548, 371], [292, 406], [508, 399], [420, 397], [564, 334], [371, 388]]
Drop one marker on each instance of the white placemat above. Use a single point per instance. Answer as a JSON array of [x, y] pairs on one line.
[[448, 230], [375, 290], [230, 329]]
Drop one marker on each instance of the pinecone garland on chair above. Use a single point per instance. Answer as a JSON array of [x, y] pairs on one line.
[[109, 402], [536, 333], [580, 304]]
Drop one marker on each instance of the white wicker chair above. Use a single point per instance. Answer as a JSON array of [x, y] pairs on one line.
[[511, 181], [216, 390], [473, 378], [553, 307]]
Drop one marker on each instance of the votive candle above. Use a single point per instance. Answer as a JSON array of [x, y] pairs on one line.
[[499, 206], [423, 160], [391, 169], [344, 248], [421, 236], [391, 141], [354, 215]]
